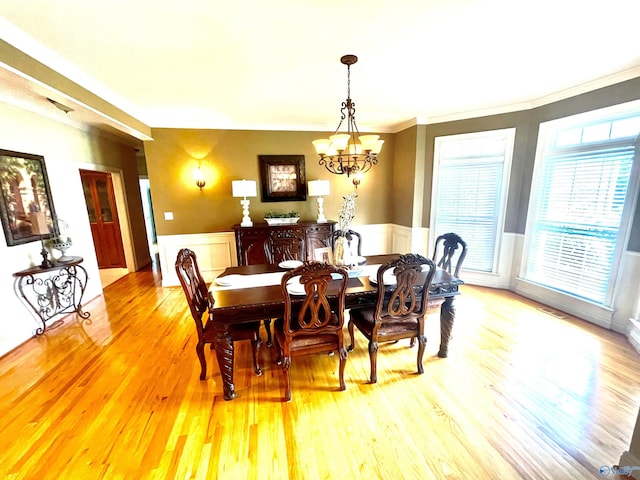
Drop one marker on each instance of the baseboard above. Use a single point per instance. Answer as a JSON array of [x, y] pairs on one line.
[[633, 334], [628, 460]]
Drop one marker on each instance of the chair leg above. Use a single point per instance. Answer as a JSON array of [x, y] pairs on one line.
[[413, 342], [352, 345], [286, 364], [422, 343], [343, 362], [267, 327], [278, 352], [255, 348], [373, 357], [203, 360]]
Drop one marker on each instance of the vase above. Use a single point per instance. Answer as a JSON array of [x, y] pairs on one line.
[[339, 251]]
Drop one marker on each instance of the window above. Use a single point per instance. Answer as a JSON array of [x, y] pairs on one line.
[[575, 223], [470, 180]]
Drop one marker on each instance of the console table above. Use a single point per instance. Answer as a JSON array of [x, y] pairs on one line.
[[250, 241], [53, 290]]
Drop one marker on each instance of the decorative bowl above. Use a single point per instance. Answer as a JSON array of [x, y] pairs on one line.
[[62, 247]]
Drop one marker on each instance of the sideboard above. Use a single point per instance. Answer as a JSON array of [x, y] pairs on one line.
[[251, 241]]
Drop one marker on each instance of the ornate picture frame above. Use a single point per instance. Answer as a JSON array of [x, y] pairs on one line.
[[282, 178], [24, 188], [323, 254]]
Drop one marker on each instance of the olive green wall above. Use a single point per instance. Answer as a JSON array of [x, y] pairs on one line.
[[519, 120], [389, 193], [527, 124], [403, 174], [228, 155]]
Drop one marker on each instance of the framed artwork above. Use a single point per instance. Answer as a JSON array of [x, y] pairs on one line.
[[323, 254], [25, 190], [282, 178]]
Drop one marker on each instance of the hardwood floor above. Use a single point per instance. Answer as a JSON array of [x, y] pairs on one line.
[[524, 394]]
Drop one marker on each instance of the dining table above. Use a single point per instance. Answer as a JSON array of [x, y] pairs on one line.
[[249, 293]]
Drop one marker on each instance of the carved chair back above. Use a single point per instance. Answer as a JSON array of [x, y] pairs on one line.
[[449, 252], [284, 245], [194, 287], [408, 297], [354, 240], [317, 312]]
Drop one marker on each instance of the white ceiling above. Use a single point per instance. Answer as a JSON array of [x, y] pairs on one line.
[[274, 64]]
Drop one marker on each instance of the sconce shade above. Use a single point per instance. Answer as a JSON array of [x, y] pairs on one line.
[[319, 188], [39, 223], [244, 188]]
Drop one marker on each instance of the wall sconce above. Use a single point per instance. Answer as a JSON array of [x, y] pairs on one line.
[[244, 189], [319, 189], [199, 178]]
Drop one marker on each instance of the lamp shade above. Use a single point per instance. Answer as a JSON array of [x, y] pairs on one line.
[[244, 188], [319, 188], [39, 223]]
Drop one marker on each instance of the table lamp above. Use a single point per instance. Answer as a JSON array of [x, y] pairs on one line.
[[244, 189], [319, 189], [39, 227]]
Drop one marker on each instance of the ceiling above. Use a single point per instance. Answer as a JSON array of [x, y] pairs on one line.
[[275, 64]]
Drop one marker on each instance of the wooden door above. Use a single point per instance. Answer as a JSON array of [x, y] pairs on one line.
[[103, 216]]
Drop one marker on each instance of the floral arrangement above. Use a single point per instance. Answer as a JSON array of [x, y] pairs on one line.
[[276, 214], [347, 212], [60, 232]]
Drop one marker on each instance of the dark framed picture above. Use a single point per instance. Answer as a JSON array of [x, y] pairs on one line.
[[25, 190], [282, 178]]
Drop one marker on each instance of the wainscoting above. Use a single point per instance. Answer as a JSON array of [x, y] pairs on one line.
[[217, 251]]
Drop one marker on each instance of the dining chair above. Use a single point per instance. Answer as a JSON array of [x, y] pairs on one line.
[[403, 294], [352, 237], [200, 302], [312, 322], [280, 247], [449, 253]]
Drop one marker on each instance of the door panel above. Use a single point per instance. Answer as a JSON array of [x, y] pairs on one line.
[[103, 216]]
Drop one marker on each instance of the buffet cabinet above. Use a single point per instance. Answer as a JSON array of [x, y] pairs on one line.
[[252, 242]]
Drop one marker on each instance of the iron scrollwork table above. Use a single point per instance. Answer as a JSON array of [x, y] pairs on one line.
[[53, 290]]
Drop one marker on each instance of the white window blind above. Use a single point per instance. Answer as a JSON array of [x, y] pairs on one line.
[[470, 191], [578, 200]]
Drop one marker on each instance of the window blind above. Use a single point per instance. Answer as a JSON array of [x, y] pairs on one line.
[[470, 191], [576, 215]]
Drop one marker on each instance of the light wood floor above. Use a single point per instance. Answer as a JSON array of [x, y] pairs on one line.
[[523, 395]]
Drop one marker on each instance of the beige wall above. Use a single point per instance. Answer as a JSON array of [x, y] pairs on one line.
[[233, 154]]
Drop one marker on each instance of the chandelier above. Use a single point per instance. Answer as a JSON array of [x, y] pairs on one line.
[[349, 152]]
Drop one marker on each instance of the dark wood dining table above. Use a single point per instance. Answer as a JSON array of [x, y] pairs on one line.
[[250, 304]]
